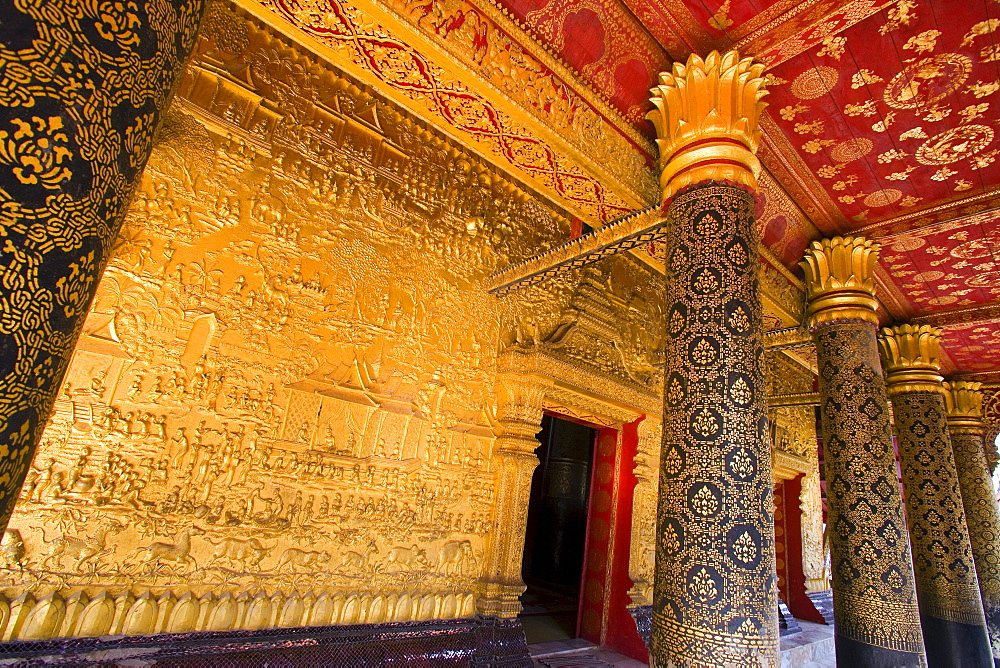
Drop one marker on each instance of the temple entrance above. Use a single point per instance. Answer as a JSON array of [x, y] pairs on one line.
[[556, 533]]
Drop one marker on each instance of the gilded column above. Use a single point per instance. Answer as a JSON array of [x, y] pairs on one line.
[[519, 419], [978, 497], [714, 598], [874, 599], [951, 613], [82, 88]]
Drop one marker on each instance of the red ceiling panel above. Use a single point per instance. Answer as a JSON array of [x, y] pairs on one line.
[[946, 266], [895, 111], [973, 348]]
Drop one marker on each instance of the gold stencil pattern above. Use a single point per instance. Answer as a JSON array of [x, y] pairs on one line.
[[81, 94], [714, 595], [875, 600], [946, 582], [978, 497]]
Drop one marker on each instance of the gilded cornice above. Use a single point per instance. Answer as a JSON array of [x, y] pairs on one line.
[[965, 407], [706, 118], [792, 337], [600, 103], [781, 291], [617, 155], [840, 280], [486, 122], [910, 358], [788, 466], [632, 231], [799, 399], [590, 384], [788, 169]]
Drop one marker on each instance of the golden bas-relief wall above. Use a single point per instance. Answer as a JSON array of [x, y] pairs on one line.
[[282, 411]]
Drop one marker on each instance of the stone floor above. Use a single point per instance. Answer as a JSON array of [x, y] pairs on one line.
[[813, 648], [577, 652]]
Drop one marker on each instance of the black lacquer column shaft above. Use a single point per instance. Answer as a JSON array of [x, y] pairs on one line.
[[978, 498], [951, 613], [875, 604], [714, 594], [82, 88]]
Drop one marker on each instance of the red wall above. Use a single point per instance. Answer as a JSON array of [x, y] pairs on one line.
[[604, 617], [788, 548]]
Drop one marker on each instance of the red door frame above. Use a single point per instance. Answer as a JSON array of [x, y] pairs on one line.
[[602, 613]]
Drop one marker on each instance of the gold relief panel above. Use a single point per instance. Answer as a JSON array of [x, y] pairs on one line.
[[283, 407], [275, 415], [642, 554]]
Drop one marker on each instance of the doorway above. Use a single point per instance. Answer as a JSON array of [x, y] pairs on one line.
[[556, 531]]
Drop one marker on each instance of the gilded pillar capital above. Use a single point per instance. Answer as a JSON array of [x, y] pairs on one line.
[[840, 280], [706, 120], [965, 407], [910, 358]]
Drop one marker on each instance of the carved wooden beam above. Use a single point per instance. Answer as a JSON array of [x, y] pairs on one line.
[[798, 399], [636, 229]]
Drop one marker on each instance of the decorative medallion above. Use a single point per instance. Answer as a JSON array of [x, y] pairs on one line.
[[814, 83], [852, 149], [905, 244], [926, 81], [883, 197], [955, 144]]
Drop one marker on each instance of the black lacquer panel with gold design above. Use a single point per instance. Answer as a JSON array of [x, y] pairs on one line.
[[714, 594], [947, 588], [875, 603], [978, 497], [82, 88]]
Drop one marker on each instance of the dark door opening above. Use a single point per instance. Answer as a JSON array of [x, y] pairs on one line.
[[556, 534]]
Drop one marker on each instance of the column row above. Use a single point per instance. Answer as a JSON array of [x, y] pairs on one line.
[[890, 608]]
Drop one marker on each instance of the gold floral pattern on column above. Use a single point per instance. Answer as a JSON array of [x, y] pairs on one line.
[[81, 93], [964, 401], [875, 602], [713, 605], [947, 587]]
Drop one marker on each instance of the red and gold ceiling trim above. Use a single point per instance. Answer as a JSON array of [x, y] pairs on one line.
[[586, 166]]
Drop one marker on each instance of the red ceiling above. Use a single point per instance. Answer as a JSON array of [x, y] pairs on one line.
[[889, 119], [972, 348], [947, 265], [882, 120]]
